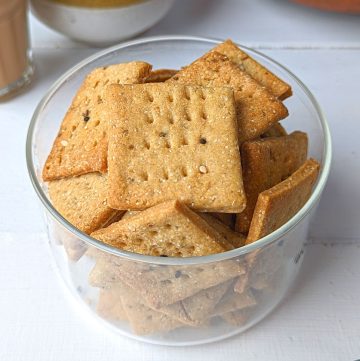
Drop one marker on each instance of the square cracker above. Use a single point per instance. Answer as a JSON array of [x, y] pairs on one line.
[[81, 144], [170, 141], [110, 306], [256, 109], [267, 162], [159, 285], [83, 201], [143, 319], [278, 204], [169, 229], [264, 76]]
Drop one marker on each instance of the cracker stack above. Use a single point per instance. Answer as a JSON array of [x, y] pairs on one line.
[[179, 163]]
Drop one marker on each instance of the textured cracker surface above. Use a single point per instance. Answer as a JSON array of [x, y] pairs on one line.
[[110, 306], [170, 141], [160, 286], [160, 75], [168, 229], [81, 144], [144, 320], [256, 108], [83, 201], [278, 204], [234, 238], [267, 162], [261, 74]]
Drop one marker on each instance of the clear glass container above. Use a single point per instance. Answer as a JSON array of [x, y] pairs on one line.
[[175, 301]]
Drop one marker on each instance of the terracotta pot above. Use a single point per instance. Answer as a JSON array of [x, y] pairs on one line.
[[345, 6]]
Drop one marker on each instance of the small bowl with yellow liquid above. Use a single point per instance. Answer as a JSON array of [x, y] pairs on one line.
[[100, 22]]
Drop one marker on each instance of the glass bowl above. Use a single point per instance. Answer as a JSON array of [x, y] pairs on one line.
[[175, 301]]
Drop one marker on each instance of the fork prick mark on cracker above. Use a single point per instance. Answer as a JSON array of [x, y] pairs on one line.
[[278, 204], [171, 141], [81, 144], [264, 76], [267, 162], [256, 109], [168, 229]]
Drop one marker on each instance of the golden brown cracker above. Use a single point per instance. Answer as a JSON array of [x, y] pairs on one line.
[[266, 162], [143, 319], [256, 109], [278, 204], [83, 201], [160, 286], [110, 306], [81, 144], [260, 73], [160, 75], [170, 141], [234, 238], [169, 229]]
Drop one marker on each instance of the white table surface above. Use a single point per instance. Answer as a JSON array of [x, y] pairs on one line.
[[319, 319]]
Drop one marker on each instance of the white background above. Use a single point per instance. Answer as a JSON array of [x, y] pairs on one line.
[[319, 319]]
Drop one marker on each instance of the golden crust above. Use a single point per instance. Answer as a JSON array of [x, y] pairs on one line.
[[278, 204], [81, 144]]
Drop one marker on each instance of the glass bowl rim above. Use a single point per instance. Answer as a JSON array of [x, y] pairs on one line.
[[173, 261]]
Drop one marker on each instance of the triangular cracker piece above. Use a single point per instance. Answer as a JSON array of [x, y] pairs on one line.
[[278, 204], [169, 229], [170, 141], [264, 76], [266, 162], [81, 144], [256, 109], [83, 201]]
